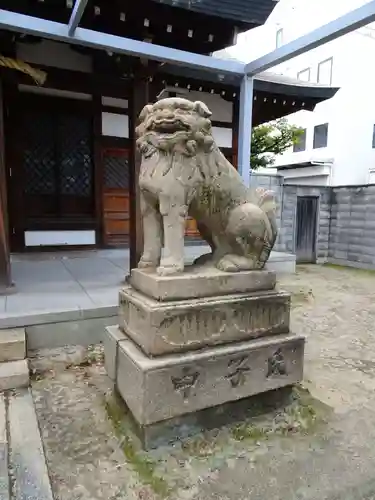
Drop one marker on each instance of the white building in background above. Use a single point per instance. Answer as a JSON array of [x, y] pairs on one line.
[[338, 145]]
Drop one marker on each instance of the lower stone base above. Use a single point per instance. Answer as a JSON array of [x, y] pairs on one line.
[[185, 426], [158, 389]]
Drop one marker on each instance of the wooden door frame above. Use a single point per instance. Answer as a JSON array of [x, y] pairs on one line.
[[16, 102], [5, 267]]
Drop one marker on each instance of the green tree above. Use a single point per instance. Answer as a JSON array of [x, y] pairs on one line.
[[271, 139]]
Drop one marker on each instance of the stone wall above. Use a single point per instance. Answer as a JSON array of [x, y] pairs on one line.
[[352, 229], [287, 238], [346, 221]]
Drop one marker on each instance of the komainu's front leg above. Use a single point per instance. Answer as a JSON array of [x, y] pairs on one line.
[[152, 232], [174, 211]]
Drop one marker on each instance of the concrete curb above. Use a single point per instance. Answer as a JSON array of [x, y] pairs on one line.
[[27, 462]]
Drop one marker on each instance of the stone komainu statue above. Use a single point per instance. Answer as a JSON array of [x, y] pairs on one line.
[[183, 173]]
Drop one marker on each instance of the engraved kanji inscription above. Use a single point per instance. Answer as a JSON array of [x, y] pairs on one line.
[[237, 371], [276, 364], [184, 384]]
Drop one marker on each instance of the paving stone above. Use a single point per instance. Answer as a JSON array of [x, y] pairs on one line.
[[29, 470], [14, 374], [12, 344]]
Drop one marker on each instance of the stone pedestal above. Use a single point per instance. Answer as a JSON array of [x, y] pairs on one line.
[[199, 340]]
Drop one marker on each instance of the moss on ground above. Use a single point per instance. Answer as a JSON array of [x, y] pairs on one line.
[[283, 413], [353, 269], [300, 415], [144, 467]]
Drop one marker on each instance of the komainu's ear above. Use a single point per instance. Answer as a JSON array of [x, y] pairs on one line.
[[202, 109], [145, 111]]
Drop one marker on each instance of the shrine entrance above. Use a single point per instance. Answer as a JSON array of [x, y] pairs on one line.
[[52, 197]]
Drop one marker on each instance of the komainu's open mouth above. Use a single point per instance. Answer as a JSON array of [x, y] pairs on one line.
[[169, 125]]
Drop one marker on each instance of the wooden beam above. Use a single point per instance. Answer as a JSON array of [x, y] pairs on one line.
[[141, 95], [98, 166], [5, 271]]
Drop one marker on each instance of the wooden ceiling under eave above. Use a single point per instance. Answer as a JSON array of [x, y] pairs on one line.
[[201, 27]]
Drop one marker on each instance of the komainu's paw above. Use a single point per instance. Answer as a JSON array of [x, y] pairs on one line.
[[170, 266], [146, 262], [232, 263], [226, 264]]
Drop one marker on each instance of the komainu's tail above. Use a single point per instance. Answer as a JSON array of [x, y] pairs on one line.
[[266, 200]]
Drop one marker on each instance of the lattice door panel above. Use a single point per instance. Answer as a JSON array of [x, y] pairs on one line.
[[39, 159], [75, 159], [57, 164], [116, 170]]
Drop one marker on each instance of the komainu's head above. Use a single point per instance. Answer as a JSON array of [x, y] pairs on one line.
[[175, 124]]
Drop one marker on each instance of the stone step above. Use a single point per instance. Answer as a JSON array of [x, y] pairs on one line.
[[30, 479], [12, 344], [14, 374]]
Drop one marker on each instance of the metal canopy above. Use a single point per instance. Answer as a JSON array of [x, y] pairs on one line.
[[339, 27], [88, 38], [75, 18], [74, 35]]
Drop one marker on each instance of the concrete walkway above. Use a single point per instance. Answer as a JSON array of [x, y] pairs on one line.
[[77, 283]]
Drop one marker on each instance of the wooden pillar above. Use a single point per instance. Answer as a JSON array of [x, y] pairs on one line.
[[142, 94], [5, 271], [98, 166]]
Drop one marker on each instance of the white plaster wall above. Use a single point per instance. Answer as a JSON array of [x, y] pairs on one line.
[[115, 125], [50, 238], [222, 136], [55, 54]]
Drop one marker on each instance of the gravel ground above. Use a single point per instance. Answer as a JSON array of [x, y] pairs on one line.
[[303, 450]]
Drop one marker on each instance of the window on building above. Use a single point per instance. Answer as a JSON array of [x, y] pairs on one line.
[[301, 144], [320, 136], [373, 137], [325, 72], [279, 37], [304, 75]]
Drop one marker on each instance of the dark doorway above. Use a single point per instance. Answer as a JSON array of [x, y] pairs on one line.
[[52, 183], [307, 211]]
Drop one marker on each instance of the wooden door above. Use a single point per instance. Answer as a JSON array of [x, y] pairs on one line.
[[116, 217], [50, 154]]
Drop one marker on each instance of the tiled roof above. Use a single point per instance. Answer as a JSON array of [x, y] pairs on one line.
[[243, 11]]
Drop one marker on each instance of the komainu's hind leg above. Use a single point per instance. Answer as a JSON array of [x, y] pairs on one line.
[[207, 236], [250, 238]]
